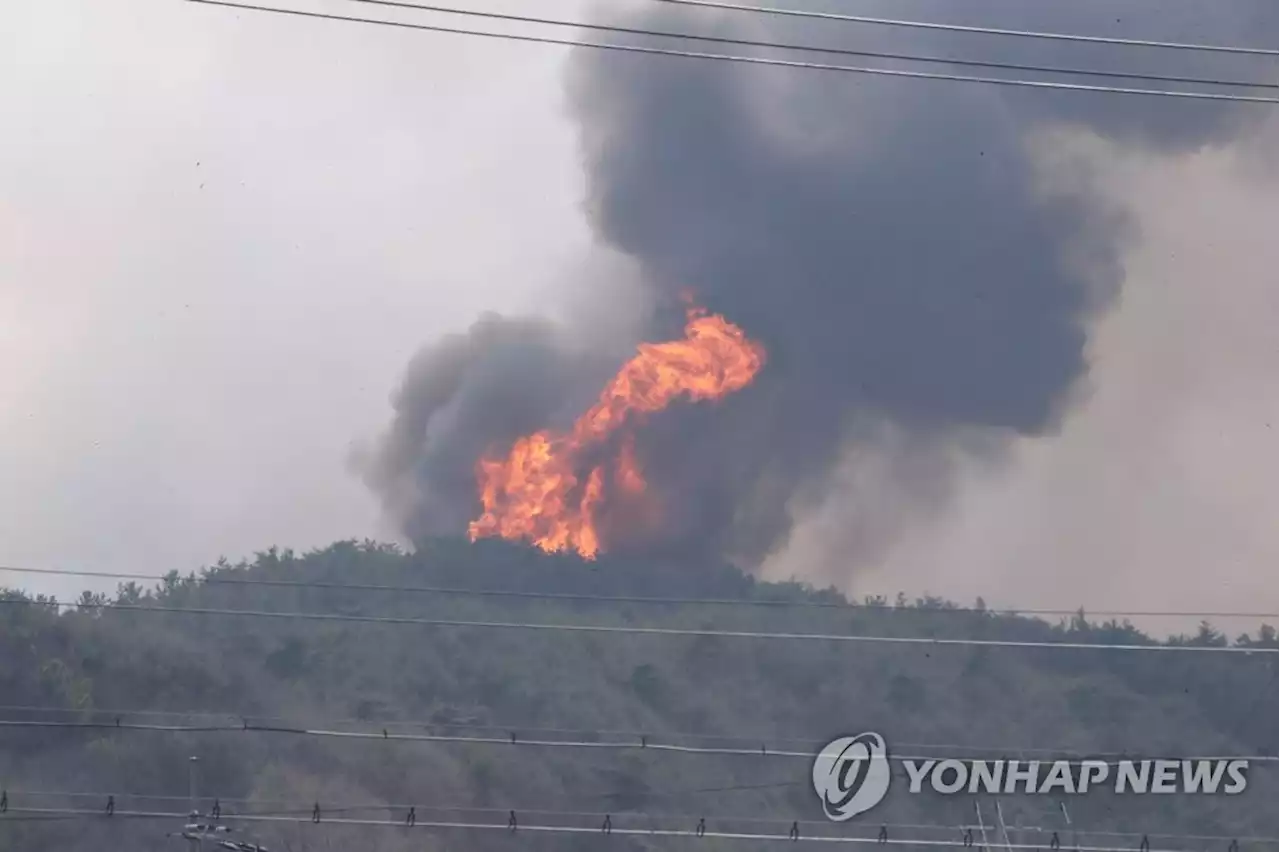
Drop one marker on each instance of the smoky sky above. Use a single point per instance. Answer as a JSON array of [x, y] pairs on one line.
[[888, 240]]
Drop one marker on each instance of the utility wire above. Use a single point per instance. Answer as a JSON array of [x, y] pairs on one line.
[[646, 631], [1218, 838], [583, 733], [219, 579], [655, 745], [757, 741], [273, 807], [748, 60], [806, 48], [655, 794], [551, 829], [265, 806], [963, 28]]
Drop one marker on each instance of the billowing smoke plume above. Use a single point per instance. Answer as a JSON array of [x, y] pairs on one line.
[[461, 397], [888, 240]]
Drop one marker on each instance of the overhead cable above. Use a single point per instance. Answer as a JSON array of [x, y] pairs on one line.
[[218, 578], [927, 641], [964, 28], [654, 744], [523, 733], [284, 807], [755, 739], [652, 793], [804, 48], [516, 827], [257, 806], [747, 60]]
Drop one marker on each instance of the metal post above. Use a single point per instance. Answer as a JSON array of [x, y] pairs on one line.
[[982, 828], [194, 763], [1004, 829], [1075, 835]]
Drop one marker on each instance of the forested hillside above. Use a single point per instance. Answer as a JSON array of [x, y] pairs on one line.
[[113, 662]]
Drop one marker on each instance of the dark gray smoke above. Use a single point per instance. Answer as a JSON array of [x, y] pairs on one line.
[[467, 395], [889, 241]]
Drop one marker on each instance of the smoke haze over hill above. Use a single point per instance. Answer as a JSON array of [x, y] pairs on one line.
[[926, 293]]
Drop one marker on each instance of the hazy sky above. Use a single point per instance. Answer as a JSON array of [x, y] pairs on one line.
[[223, 235]]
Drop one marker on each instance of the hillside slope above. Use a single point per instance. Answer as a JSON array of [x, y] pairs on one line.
[[737, 692]]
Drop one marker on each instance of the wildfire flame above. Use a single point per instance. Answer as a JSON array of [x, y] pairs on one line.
[[536, 493]]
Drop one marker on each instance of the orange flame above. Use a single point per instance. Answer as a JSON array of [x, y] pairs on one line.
[[535, 493]]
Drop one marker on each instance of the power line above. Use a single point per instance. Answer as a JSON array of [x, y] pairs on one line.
[[428, 723], [273, 807], [296, 807], [580, 732], [1189, 837], [648, 631], [217, 579], [748, 60], [805, 48], [515, 828], [654, 745], [963, 28], [637, 738], [650, 793]]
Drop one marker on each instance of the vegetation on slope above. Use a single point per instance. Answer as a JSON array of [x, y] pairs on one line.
[[108, 657]]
